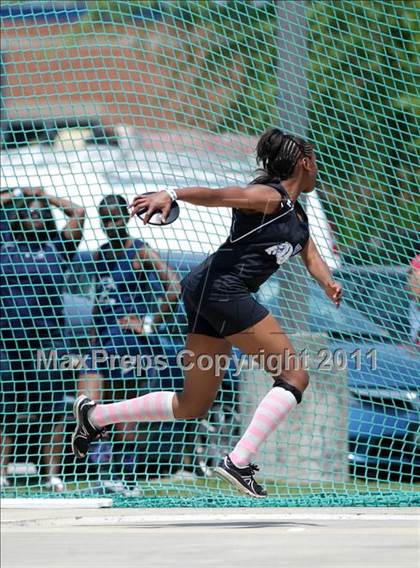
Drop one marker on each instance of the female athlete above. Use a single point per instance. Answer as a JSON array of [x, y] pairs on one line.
[[268, 227]]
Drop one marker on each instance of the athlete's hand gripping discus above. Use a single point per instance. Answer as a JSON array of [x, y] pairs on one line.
[[156, 207]]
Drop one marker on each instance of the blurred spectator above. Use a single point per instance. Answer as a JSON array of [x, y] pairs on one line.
[[33, 259], [124, 316], [414, 294], [7, 197]]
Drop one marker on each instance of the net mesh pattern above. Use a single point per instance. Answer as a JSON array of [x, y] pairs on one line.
[[120, 97]]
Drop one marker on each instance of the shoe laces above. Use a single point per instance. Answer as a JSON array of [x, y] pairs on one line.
[[103, 433], [253, 468]]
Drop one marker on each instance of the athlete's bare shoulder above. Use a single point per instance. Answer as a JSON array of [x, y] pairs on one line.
[[266, 195]]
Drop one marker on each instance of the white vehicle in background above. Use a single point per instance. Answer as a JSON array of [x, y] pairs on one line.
[[88, 173], [321, 231]]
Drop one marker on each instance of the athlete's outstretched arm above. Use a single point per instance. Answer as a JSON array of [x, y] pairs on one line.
[[320, 271], [260, 198], [257, 197]]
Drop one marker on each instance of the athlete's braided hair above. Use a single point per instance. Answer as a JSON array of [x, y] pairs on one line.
[[278, 154]]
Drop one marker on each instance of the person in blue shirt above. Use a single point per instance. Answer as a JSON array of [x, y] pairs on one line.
[[124, 314], [33, 260], [6, 198]]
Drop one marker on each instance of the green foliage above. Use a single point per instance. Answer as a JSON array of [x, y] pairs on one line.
[[120, 11], [364, 109], [242, 29], [363, 95]]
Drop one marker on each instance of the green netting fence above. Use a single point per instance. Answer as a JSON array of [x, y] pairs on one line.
[[119, 97]]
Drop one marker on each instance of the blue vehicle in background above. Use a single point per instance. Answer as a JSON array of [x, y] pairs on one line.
[[384, 390], [380, 294]]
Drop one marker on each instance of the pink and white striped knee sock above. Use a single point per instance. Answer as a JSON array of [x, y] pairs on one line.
[[272, 410], [152, 407]]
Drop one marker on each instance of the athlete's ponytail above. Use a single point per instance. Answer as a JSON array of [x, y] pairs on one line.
[[278, 154]]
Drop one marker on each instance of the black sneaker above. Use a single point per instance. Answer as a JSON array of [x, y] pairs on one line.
[[241, 477], [85, 433]]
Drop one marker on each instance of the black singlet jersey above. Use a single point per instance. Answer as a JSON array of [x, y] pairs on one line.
[[255, 248]]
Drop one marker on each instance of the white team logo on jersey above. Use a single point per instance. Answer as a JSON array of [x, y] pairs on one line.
[[282, 252]]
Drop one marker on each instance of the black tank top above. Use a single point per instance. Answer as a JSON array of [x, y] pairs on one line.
[[257, 245]]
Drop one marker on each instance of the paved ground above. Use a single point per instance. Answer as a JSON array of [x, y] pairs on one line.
[[179, 538]]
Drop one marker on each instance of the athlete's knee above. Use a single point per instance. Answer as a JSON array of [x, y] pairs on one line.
[[295, 382], [301, 377], [297, 377]]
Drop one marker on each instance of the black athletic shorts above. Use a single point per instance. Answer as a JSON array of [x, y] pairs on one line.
[[222, 317]]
